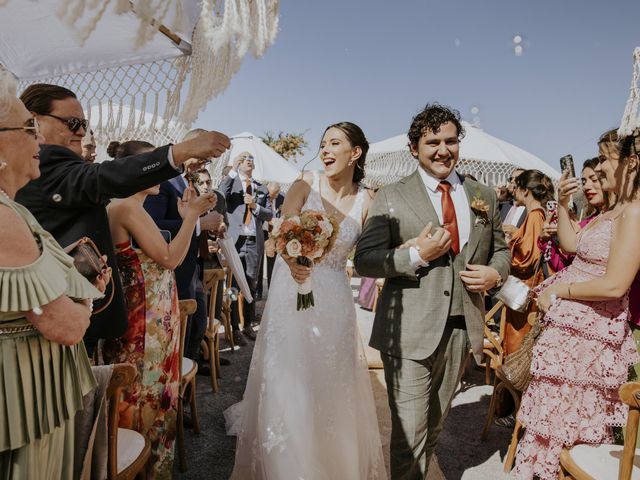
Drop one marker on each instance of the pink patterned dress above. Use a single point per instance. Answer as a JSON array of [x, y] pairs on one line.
[[579, 361]]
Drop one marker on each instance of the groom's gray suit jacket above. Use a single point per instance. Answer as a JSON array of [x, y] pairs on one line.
[[414, 305]]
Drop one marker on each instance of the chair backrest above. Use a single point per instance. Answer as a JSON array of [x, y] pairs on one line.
[[497, 343], [630, 394], [122, 376], [211, 279], [187, 307]]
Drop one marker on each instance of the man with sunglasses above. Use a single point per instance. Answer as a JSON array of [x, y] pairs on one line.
[[70, 197]]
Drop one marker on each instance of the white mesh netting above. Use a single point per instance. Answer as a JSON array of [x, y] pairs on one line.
[[388, 167], [130, 102], [158, 101], [631, 116]]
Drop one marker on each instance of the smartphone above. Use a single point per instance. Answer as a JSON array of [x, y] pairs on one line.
[[166, 234], [552, 212], [566, 163]]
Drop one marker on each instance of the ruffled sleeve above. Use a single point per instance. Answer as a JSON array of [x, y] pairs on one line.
[[51, 275]]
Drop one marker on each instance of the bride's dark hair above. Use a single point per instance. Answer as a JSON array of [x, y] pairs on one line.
[[356, 138]]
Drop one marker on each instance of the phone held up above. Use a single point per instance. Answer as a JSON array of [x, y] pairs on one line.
[[566, 163], [552, 212]]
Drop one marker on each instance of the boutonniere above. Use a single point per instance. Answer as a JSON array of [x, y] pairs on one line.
[[481, 209]]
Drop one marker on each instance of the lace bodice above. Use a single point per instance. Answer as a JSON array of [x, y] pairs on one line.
[[592, 250], [350, 228]]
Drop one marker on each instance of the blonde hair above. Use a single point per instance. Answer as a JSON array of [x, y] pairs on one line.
[[8, 93]]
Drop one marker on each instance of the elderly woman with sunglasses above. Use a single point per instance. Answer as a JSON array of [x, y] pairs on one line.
[[45, 305], [69, 198]]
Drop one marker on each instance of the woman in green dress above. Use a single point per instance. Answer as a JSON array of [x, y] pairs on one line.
[[45, 305]]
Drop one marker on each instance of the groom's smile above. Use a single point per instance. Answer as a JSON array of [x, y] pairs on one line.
[[438, 151]]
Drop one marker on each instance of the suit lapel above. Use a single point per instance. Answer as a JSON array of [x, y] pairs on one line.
[[476, 227], [416, 196]]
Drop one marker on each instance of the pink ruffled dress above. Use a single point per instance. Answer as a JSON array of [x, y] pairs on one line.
[[579, 361]]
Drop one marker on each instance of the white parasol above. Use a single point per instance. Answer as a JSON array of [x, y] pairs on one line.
[[166, 58], [230, 253]]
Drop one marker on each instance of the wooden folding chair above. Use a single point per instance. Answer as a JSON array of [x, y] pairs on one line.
[[128, 451], [494, 354], [188, 371], [212, 277], [589, 462]]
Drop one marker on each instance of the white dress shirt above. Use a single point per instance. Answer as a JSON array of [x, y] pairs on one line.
[[460, 203], [514, 215]]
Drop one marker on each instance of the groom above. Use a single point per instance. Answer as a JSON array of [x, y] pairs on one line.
[[436, 237]]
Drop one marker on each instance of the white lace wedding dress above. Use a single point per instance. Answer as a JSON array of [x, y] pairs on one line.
[[308, 410]]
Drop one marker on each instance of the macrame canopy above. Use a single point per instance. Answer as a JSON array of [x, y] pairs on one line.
[[484, 156], [138, 67], [631, 117]]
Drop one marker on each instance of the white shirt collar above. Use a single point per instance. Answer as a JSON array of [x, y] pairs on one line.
[[432, 183], [243, 178]]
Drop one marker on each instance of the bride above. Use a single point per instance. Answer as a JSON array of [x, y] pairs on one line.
[[308, 410]]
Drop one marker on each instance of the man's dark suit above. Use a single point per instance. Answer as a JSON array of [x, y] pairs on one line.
[[250, 249], [163, 208], [69, 200]]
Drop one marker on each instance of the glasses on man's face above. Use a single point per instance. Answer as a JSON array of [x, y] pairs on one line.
[[72, 123], [31, 127], [247, 158]]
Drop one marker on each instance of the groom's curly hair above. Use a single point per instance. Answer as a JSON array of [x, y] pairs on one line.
[[430, 119]]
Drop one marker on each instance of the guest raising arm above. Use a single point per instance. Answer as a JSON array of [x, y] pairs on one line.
[[151, 340], [70, 196]]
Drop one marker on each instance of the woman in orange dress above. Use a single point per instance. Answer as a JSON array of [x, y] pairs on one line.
[[533, 190]]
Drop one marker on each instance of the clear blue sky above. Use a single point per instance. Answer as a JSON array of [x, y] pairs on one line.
[[377, 63]]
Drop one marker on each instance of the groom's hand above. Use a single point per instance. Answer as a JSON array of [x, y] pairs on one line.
[[479, 278], [432, 244]]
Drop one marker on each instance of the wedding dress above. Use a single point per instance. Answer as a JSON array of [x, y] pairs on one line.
[[308, 410]]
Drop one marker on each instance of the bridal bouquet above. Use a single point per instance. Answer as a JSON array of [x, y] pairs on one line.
[[307, 237]]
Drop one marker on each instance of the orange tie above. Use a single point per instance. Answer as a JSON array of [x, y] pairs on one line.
[[449, 216], [249, 191]]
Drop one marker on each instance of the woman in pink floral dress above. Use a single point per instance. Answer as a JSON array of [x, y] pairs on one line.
[[151, 340], [583, 354]]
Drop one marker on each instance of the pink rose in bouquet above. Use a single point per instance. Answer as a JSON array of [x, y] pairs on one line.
[[307, 237]]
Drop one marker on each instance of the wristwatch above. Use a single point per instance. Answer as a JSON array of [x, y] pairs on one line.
[[498, 281]]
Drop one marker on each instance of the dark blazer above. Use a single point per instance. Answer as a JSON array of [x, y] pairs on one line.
[[163, 208], [233, 190], [69, 200]]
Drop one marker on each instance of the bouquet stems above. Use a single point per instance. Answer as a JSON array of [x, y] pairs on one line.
[[305, 295]]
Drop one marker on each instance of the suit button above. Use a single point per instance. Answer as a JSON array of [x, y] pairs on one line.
[[446, 293]]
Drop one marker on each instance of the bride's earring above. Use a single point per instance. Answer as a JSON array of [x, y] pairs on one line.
[[3, 165]]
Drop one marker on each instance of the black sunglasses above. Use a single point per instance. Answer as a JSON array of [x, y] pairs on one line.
[[73, 123]]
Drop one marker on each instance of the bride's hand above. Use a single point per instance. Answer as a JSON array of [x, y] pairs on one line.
[[300, 273]]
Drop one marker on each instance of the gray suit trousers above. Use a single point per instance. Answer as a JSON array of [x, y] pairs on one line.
[[420, 394]]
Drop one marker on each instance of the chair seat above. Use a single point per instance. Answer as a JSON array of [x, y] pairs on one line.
[[187, 366], [602, 462], [214, 328], [130, 446]]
